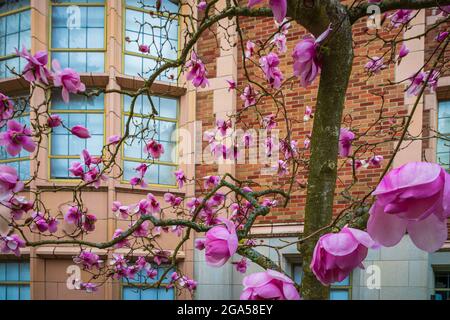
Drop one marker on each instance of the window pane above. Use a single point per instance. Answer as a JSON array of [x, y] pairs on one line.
[[2, 272], [2, 292], [12, 271], [24, 274], [9, 5], [12, 293], [149, 294], [24, 292], [164, 294], [130, 293], [339, 294], [166, 175], [59, 168]]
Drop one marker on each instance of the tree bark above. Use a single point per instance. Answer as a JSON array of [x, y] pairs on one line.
[[335, 74]]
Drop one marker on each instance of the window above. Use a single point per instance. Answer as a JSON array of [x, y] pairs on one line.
[[20, 162], [443, 146], [14, 281], [338, 290], [144, 128], [14, 33], [139, 288], [78, 34], [158, 30], [65, 147], [341, 290], [442, 285]]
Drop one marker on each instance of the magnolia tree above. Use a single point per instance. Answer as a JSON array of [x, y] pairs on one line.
[[413, 198]]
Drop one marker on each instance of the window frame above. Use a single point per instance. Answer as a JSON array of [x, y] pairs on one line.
[[149, 161], [8, 13], [16, 283], [68, 157], [434, 284], [19, 159], [103, 50], [347, 287], [126, 7], [445, 165]]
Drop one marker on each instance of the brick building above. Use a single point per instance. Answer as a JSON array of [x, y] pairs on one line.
[[98, 48]]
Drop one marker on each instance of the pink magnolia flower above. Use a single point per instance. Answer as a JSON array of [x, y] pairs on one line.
[[249, 49], [269, 285], [308, 114], [413, 198], [6, 108], [9, 182], [221, 243], [18, 205], [337, 254], [39, 222], [154, 148], [68, 79], [202, 5], [73, 215], [193, 203], [36, 67], [444, 10], [88, 222], [375, 65], [231, 85], [269, 144], [249, 96], [307, 61], [54, 121], [154, 206], [376, 160], [139, 180], [121, 243], [211, 182], [178, 230], [345, 142], [197, 72], [180, 178], [89, 287], [400, 17], [76, 169], [279, 40], [200, 244], [418, 81], [81, 132], [142, 229], [143, 48], [11, 243], [241, 265], [52, 223], [279, 8], [120, 210], [403, 52], [171, 199], [289, 149], [306, 143], [16, 137], [269, 64], [114, 139], [88, 260], [282, 168], [269, 122], [223, 125]]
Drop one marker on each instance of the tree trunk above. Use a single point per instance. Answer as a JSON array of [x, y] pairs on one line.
[[337, 64]]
